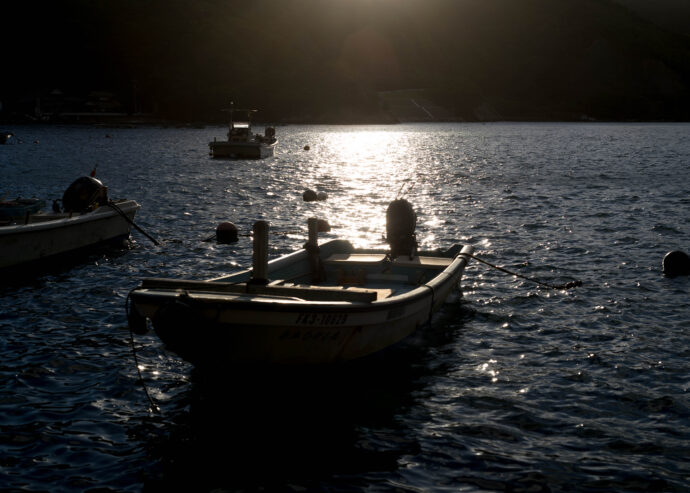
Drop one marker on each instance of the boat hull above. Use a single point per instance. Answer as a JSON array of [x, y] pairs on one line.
[[282, 333], [220, 324], [48, 235], [242, 150]]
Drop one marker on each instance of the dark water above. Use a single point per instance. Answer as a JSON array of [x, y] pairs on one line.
[[514, 388]]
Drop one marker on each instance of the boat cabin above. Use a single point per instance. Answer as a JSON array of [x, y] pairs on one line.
[[239, 131]]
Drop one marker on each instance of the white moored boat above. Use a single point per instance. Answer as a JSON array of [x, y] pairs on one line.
[[41, 235], [322, 304]]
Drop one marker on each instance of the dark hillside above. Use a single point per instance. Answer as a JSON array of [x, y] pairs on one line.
[[346, 61], [669, 14]]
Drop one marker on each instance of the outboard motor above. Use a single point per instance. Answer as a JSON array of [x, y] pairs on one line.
[[401, 222], [270, 132], [84, 195], [676, 263]]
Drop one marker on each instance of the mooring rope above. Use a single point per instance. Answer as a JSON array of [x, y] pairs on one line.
[[567, 285], [122, 213], [154, 407], [249, 235], [433, 295]]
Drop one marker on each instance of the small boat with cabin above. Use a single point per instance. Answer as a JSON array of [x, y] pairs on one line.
[[321, 305], [242, 142]]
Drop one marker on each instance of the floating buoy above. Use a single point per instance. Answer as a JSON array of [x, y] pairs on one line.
[[309, 195], [321, 196], [226, 233], [306, 148], [322, 226], [676, 263]]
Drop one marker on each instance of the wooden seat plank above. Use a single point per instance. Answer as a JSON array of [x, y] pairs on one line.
[[307, 292], [423, 262], [355, 258]]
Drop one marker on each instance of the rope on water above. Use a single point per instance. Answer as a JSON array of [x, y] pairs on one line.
[[153, 406], [567, 285], [249, 235], [122, 213]]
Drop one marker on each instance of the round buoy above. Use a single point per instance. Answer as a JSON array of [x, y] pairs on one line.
[[306, 148], [676, 263], [226, 233], [322, 226], [321, 196], [309, 196]]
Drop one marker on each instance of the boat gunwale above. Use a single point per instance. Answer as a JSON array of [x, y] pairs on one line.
[[250, 301], [48, 223]]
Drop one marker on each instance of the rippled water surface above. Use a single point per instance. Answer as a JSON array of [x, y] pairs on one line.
[[514, 388]]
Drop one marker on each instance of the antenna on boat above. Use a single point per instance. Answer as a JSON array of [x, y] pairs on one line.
[[406, 181], [229, 110]]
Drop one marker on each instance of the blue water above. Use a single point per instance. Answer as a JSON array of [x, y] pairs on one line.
[[514, 388]]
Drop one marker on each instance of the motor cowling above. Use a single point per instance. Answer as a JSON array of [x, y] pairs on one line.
[[84, 194], [676, 263], [401, 221]]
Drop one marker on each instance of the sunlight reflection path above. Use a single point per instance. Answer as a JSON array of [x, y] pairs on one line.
[[366, 167], [363, 168]]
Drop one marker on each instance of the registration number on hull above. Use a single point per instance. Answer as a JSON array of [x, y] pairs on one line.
[[321, 318]]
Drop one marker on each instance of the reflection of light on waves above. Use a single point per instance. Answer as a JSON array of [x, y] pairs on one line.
[[370, 176]]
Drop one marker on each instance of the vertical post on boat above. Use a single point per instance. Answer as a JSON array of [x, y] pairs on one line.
[[260, 258], [313, 225], [312, 248]]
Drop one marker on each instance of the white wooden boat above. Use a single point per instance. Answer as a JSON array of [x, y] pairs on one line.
[[242, 142], [45, 234], [323, 304]]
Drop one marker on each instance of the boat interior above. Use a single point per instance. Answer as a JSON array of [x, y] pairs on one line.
[[333, 271], [353, 277], [43, 216]]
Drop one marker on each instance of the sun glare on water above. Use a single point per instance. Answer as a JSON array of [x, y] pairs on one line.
[[367, 167]]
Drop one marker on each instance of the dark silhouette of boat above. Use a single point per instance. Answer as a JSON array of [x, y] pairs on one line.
[[242, 142]]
